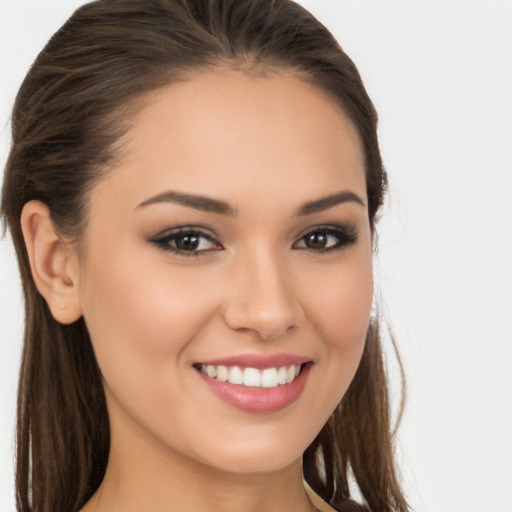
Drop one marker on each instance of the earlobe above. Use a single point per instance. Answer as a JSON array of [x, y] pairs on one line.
[[53, 263]]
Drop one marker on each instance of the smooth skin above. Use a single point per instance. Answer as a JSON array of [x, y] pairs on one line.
[[258, 279]]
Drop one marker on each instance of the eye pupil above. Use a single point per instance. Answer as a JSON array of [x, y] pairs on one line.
[[187, 242], [316, 240]]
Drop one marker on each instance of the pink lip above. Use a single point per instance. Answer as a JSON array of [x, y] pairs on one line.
[[259, 361], [254, 399]]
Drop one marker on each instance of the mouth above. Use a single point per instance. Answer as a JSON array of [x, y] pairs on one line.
[[252, 377], [256, 384]]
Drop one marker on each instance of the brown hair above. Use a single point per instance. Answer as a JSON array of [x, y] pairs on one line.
[[72, 108]]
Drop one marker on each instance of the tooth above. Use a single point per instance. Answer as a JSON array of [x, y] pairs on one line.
[[281, 375], [269, 378], [222, 373], [236, 376], [252, 377], [290, 374]]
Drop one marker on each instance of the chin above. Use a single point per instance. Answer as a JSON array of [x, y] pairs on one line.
[[260, 456], [249, 463]]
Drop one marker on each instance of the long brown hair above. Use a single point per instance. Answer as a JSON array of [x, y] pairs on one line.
[[74, 105]]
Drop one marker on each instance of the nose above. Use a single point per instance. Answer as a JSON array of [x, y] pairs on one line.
[[262, 299]]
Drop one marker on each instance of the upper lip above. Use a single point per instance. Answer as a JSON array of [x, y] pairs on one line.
[[259, 361]]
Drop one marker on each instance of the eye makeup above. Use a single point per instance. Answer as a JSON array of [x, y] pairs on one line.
[[327, 238], [195, 241], [187, 241]]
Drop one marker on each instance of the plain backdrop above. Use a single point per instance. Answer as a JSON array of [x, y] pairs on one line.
[[440, 75]]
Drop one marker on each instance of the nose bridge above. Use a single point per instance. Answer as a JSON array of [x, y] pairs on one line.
[[262, 298]]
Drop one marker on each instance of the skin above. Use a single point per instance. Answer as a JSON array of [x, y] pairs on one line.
[[266, 146]]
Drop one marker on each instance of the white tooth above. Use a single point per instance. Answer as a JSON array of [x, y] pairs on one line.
[[211, 371], [269, 378], [252, 377], [281, 375], [297, 370], [236, 376], [222, 373], [203, 369], [290, 374]]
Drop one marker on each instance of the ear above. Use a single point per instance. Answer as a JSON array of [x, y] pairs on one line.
[[54, 263]]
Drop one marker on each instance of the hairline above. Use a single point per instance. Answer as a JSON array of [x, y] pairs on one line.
[[126, 113]]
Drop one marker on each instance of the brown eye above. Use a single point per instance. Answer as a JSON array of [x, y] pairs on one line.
[[325, 239], [316, 240], [187, 242]]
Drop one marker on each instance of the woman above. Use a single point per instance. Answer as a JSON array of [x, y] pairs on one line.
[[192, 192]]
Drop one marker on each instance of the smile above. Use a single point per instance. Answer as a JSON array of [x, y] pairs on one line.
[[252, 377], [256, 383]]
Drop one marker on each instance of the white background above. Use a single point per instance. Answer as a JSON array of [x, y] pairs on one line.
[[440, 75]]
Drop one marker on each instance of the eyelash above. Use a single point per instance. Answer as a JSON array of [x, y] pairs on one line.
[[345, 235], [164, 241]]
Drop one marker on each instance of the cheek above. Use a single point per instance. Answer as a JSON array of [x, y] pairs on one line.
[[137, 313], [142, 319], [340, 312], [347, 314], [343, 304]]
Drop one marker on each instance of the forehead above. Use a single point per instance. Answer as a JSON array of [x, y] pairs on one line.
[[225, 132]]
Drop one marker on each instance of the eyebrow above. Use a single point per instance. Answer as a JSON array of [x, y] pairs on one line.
[[324, 203], [207, 204]]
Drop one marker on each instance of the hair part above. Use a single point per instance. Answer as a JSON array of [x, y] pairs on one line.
[[70, 115]]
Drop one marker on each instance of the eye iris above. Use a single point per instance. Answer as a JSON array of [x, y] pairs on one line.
[[188, 242], [316, 240]]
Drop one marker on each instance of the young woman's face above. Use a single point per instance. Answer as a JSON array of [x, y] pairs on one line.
[[230, 248]]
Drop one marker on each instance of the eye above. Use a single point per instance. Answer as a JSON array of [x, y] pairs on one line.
[[327, 238], [187, 241]]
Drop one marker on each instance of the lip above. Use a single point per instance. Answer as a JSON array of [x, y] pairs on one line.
[[258, 361], [254, 399]]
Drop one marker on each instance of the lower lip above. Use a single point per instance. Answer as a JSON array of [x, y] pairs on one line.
[[255, 399]]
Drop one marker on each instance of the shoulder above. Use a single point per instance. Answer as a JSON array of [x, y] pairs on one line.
[[322, 506], [318, 502]]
